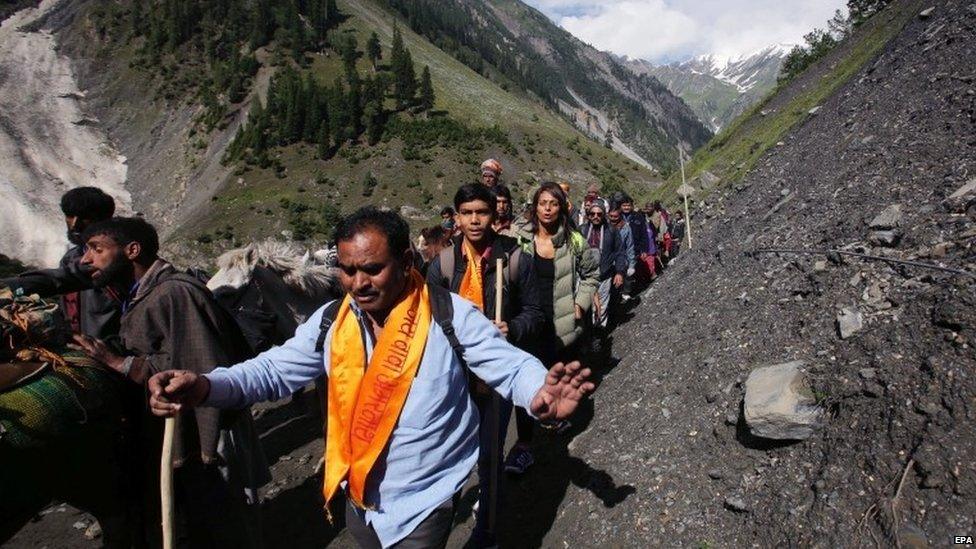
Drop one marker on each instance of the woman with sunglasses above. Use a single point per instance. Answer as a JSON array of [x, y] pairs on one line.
[[567, 275]]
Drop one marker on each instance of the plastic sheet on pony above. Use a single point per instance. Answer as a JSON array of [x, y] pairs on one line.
[[60, 425]]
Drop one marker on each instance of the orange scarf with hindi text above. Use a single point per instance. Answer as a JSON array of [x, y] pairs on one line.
[[365, 403]]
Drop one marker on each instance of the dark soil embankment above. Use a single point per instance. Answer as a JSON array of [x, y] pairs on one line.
[[893, 462]]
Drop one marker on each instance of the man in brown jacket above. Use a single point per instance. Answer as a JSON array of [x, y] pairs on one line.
[[170, 321]]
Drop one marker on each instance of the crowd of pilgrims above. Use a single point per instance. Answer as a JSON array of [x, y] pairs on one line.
[[568, 272]]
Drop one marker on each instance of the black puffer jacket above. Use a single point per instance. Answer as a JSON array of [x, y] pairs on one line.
[[520, 300], [613, 258]]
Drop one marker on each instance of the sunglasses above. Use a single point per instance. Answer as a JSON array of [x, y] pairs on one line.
[[595, 214]]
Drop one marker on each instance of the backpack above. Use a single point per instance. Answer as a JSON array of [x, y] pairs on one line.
[[447, 263], [441, 308]]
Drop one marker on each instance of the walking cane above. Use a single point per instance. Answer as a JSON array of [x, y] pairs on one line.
[[494, 410], [166, 483]]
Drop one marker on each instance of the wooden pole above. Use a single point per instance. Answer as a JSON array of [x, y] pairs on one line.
[[681, 160], [499, 286], [495, 411], [168, 509]]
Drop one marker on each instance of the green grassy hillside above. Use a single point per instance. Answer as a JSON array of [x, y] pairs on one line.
[[419, 162]]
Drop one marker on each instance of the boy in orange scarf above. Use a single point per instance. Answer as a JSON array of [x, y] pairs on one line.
[[468, 269]]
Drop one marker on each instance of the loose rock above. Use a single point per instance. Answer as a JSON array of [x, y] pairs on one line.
[[887, 239], [889, 218], [969, 187], [849, 322], [736, 504], [779, 404]]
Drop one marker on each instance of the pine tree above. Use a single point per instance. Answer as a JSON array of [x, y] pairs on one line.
[[332, 16], [319, 16], [608, 139], [839, 25], [324, 146], [397, 50], [262, 22], [349, 55], [354, 103], [313, 109], [373, 96], [373, 50], [426, 90], [338, 110], [373, 113], [137, 17], [406, 83], [296, 31], [401, 64]]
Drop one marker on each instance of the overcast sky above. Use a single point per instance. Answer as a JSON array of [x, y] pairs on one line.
[[674, 30]]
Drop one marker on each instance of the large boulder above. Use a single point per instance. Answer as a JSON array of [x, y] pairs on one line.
[[779, 404]]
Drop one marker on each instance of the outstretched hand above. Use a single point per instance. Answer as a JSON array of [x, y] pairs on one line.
[[97, 350], [566, 385], [171, 390]]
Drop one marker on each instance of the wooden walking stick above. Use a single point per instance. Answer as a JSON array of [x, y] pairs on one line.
[[494, 411], [168, 509]]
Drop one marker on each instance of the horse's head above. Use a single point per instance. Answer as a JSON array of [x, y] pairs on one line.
[[234, 269]]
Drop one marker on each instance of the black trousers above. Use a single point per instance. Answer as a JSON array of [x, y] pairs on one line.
[[433, 532]]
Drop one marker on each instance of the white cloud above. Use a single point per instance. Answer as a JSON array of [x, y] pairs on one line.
[[636, 28], [669, 30]]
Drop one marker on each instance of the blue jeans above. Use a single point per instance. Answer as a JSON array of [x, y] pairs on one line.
[[482, 530]]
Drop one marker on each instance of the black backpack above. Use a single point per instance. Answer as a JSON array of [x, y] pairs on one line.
[[441, 308]]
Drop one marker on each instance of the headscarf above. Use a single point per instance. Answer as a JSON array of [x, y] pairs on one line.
[[492, 165]]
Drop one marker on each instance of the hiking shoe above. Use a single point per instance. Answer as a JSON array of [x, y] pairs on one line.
[[519, 460]]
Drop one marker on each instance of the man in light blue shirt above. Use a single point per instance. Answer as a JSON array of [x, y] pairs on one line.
[[410, 492]]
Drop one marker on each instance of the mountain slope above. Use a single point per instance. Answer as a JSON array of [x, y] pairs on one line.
[[668, 451], [518, 46], [179, 175], [719, 90], [737, 149]]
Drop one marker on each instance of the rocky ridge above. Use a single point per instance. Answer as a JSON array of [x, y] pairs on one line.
[[892, 150]]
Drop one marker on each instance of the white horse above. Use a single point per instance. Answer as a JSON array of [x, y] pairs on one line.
[[271, 287]]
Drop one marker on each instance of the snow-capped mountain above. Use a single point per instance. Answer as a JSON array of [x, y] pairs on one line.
[[719, 88], [742, 71]]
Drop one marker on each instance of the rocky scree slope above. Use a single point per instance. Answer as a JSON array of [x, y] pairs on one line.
[[892, 463]]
